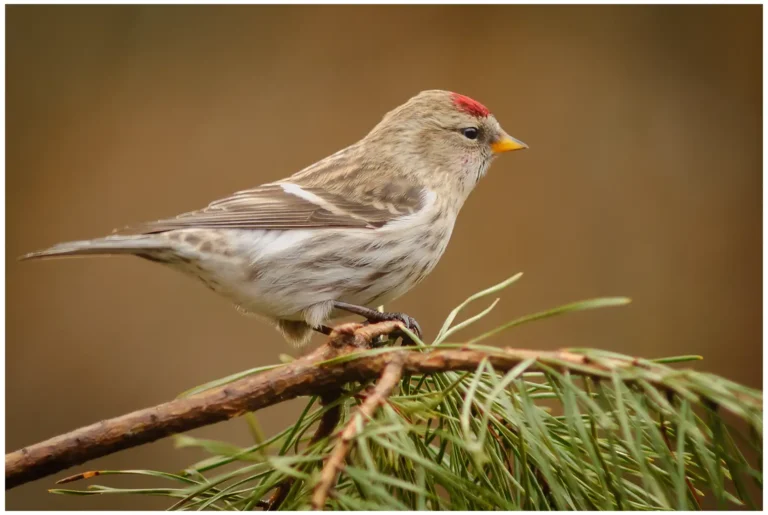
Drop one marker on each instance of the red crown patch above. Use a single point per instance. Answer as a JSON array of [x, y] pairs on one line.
[[470, 106]]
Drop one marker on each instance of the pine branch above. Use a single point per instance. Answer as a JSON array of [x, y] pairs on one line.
[[306, 376], [465, 430]]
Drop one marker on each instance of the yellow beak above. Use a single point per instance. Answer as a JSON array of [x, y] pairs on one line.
[[506, 144]]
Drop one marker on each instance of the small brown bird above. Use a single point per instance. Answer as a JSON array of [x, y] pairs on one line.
[[348, 233]]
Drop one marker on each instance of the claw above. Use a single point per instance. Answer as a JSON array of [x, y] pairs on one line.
[[407, 320], [374, 316]]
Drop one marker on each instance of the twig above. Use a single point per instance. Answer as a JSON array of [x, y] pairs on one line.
[[305, 376], [327, 424], [389, 380]]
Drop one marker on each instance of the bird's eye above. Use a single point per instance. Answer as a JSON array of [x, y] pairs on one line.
[[470, 132]]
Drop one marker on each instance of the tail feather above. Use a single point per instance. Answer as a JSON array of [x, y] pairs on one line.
[[101, 246]]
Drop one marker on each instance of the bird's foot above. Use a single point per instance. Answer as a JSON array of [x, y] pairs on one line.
[[408, 321], [374, 316]]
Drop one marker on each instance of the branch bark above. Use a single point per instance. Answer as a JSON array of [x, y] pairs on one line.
[[305, 376]]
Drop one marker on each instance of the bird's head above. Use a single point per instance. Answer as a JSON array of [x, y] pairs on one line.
[[443, 138]]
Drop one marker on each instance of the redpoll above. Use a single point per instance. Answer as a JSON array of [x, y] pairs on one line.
[[355, 230]]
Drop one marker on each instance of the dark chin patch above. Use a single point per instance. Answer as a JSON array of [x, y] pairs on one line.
[[469, 106]]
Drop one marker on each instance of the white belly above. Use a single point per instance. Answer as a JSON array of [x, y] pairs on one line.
[[296, 274]]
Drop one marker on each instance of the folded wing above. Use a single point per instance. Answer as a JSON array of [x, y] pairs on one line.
[[288, 205]]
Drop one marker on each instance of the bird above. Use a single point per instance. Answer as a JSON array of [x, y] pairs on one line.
[[350, 232]]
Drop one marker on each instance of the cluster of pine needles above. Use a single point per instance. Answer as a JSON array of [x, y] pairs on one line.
[[545, 435]]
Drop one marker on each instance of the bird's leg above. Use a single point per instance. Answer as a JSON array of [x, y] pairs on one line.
[[374, 316]]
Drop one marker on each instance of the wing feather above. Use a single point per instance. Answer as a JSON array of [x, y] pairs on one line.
[[285, 205]]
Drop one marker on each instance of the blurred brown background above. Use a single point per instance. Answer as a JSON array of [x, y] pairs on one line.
[[643, 179]]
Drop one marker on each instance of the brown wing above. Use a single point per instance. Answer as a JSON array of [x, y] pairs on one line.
[[285, 205]]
